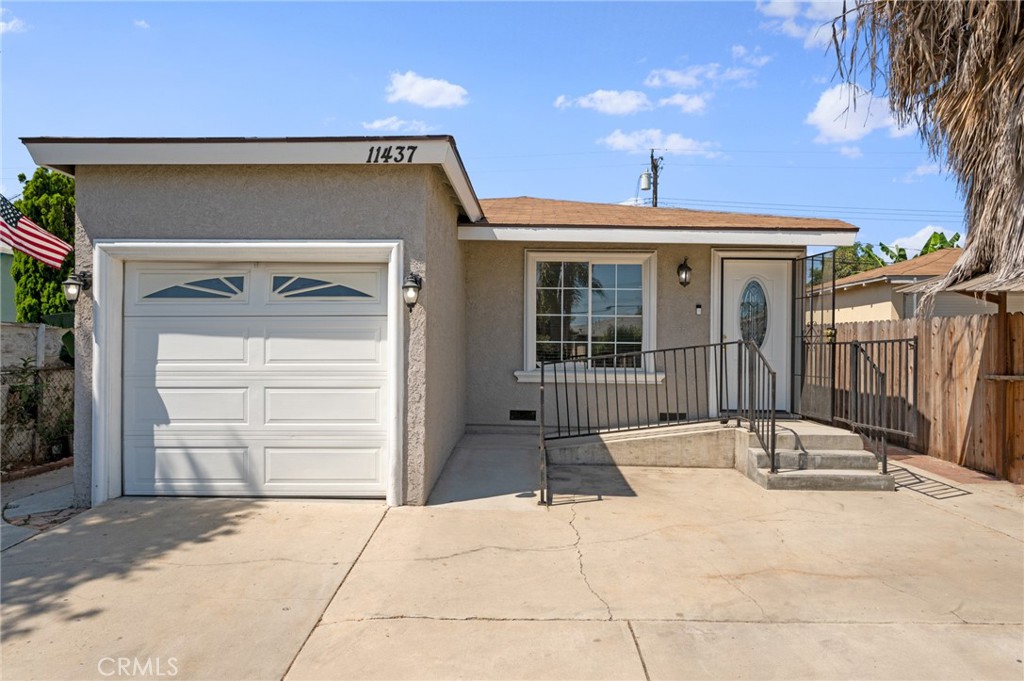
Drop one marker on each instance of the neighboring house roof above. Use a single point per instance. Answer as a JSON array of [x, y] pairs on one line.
[[928, 266], [526, 211], [65, 154], [985, 283]]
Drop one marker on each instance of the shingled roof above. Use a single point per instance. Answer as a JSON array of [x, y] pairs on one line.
[[934, 264], [525, 211]]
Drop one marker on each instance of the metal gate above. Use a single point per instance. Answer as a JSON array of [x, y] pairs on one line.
[[814, 316]]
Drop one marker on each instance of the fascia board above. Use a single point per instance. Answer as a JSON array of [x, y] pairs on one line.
[[66, 156], [738, 237]]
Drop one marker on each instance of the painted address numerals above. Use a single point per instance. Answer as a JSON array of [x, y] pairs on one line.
[[400, 154]]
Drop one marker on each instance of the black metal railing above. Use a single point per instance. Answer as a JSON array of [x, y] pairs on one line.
[[875, 390], [875, 385], [656, 388], [759, 400]]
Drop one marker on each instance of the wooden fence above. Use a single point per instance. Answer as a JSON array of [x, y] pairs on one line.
[[963, 396]]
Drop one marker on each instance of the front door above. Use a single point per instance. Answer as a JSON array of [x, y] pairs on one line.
[[756, 306]]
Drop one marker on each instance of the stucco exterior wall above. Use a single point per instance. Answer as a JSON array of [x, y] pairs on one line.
[[265, 203], [443, 302], [495, 318], [867, 303]]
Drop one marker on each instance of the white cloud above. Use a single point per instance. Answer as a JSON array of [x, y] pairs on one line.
[[851, 152], [640, 141], [690, 77], [686, 103], [431, 93], [12, 25], [748, 56], [778, 8], [611, 102], [916, 241], [141, 23], [824, 10], [632, 201], [713, 73], [847, 113], [810, 22], [923, 170], [396, 124]]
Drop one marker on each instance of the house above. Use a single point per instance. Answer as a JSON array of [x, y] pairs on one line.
[[8, 310], [894, 291], [246, 331]]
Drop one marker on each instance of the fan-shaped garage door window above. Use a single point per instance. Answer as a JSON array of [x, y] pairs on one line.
[[753, 313]]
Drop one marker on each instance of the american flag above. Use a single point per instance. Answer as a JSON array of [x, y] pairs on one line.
[[20, 233]]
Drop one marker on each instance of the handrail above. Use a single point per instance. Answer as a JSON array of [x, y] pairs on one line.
[[868, 410], [639, 390], [761, 400]]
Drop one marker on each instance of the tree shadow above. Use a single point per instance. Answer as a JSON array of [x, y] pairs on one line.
[[118, 540]]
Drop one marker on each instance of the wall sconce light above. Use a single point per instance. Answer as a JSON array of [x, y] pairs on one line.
[[75, 284], [683, 272], [411, 289]]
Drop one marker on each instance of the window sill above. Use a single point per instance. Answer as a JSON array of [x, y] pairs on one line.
[[592, 376]]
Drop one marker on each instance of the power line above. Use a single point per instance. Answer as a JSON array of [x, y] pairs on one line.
[[814, 206]]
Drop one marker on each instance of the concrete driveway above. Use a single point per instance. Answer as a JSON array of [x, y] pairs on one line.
[[634, 573]]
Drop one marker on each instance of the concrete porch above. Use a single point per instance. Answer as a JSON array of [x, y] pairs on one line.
[[812, 456]]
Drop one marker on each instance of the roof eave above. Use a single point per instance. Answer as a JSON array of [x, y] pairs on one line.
[[66, 154]]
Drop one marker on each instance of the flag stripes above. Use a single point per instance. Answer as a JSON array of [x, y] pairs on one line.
[[20, 233]]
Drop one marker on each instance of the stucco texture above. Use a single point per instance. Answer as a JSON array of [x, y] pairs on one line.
[[495, 292], [295, 203]]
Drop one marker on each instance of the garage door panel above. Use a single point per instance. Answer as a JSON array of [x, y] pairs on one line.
[[149, 406], [324, 465], [148, 467], [344, 342], [151, 345], [335, 406]]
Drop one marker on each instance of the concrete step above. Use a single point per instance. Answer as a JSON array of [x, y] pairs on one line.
[[836, 439], [838, 459], [821, 481]]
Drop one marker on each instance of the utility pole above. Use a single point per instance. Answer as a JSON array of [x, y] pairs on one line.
[[655, 167]]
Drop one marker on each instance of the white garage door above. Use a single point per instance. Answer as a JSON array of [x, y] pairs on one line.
[[266, 380]]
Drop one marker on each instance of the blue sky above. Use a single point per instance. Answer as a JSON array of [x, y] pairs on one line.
[[550, 100]]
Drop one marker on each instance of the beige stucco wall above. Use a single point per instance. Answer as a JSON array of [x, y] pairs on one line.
[[867, 303], [287, 203], [444, 363], [494, 301]]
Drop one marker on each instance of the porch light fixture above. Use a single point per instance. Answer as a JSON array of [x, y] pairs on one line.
[[75, 284], [411, 289], [683, 271]]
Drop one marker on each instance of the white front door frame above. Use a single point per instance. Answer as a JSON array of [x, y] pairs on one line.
[[720, 254], [109, 257]]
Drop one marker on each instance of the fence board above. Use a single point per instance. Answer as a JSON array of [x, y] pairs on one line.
[[960, 412]]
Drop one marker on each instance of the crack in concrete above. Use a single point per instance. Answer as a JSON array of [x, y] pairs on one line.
[[764, 615], [457, 554], [639, 653], [579, 559]]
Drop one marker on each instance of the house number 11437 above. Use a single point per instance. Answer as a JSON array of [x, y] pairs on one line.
[[401, 154]]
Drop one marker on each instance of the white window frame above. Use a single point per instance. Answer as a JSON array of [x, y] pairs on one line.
[[648, 260]]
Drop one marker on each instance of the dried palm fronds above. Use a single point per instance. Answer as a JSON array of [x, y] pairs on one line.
[[955, 69]]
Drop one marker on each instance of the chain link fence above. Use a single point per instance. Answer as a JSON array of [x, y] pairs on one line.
[[37, 407]]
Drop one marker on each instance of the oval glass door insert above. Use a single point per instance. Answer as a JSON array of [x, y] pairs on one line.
[[753, 313]]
